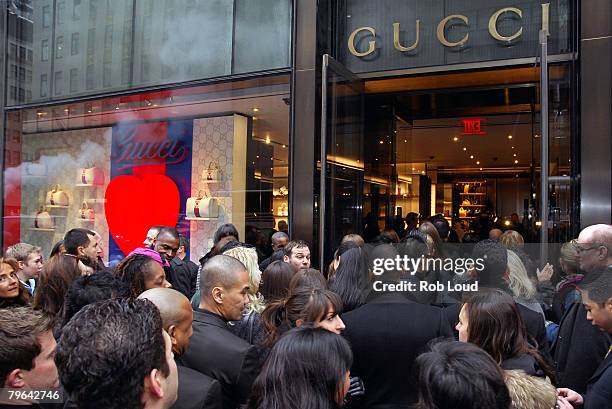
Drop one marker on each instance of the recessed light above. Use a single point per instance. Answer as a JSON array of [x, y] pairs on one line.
[[480, 168], [267, 139], [381, 142], [405, 140], [455, 139], [255, 109], [471, 156], [509, 136], [413, 168], [513, 147], [284, 146], [478, 162], [464, 149], [516, 161], [514, 154], [423, 172]]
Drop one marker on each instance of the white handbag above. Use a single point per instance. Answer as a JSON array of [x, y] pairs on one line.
[[213, 172], [57, 197], [87, 213], [202, 207], [90, 176], [43, 220]]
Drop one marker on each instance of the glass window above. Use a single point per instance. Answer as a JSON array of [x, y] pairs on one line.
[[61, 12], [13, 50], [14, 71], [89, 77], [58, 83], [22, 74], [74, 80], [107, 75], [225, 165], [59, 53], [22, 53], [44, 50], [29, 56], [46, 16], [44, 86], [74, 44], [76, 10]]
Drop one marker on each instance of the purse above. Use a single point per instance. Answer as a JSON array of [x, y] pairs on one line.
[[86, 212], [43, 219], [90, 176], [202, 207], [57, 197], [212, 172]]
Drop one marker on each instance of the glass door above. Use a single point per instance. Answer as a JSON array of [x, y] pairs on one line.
[[342, 157]]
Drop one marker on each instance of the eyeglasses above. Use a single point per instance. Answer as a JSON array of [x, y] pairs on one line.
[[582, 249]]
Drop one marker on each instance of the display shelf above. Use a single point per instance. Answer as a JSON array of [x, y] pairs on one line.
[[87, 185], [198, 219], [40, 229], [471, 205], [56, 207]]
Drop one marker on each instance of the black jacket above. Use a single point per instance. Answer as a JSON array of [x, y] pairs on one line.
[[216, 352], [578, 349], [186, 272], [196, 390], [599, 389], [386, 336], [179, 282], [525, 363]]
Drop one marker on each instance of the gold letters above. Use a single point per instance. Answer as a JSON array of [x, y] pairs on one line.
[[442, 26], [493, 24], [545, 16], [396, 39], [371, 43]]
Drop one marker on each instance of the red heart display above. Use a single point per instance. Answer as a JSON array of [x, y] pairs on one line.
[[134, 204]]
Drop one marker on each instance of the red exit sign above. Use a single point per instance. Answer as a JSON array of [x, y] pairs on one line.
[[473, 126]]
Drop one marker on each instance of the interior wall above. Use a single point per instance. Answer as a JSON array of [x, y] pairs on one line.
[[509, 195]]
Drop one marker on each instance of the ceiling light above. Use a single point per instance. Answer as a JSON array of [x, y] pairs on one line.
[[381, 142], [509, 136], [455, 139], [423, 172], [478, 162], [514, 155], [405, 140], [413, 169], [255, 109], [471, 156], [480, 168], [516, 161], [507, 222], [284, 146], [267, 139], [464, 149]]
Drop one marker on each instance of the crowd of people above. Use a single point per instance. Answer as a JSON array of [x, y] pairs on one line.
[[246, 328]]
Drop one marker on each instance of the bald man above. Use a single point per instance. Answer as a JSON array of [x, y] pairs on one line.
[[495, 234], [195, 390], [214, 350]]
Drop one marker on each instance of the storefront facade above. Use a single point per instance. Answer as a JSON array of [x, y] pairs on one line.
[[203, 114]]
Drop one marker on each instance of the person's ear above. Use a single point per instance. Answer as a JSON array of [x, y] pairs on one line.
[[172, 332], [20, 264], [153, 384], [217, 295], [286, 258], [299, 322], [609, 305], [14, 379]]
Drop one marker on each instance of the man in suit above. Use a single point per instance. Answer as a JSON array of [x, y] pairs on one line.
[[597, 300], [183, 267], [214, 350], [195, 390], [579, 347], [386, 335]]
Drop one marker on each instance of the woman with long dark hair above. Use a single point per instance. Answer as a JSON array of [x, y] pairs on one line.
[[308, 368], [275, 281], [351, 280], [310, 306], [12, 291], [342, 248], [491, 320], [55, 278]]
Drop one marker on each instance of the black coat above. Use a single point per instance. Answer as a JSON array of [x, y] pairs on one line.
[[599, 389], [534, 324], [186, 272], [216, 352], [196, 390], [386, 336], [578, 349]]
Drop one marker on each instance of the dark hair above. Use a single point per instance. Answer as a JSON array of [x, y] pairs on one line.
[[305, 369], [57, 248], [442, 226], [90, 289], [107, 350], [294, 244], [355, 238], [184, 242], [171, 231], [276, 256], [495, 261], [459, 375], [344, 246], [307, 278], [55, 278], [391, 235], [351, 281], [225, 230], [496, 325], [598, 286], [429, 229], [23, 297], [275, 281], [132, 271], [20, 328], [310, 305], [76, 238]]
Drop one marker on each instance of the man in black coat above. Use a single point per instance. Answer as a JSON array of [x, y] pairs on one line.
[[213, 349], [167, 244], [195, 390], [386, 335], [597, 300], [183, 267], [580, 348]]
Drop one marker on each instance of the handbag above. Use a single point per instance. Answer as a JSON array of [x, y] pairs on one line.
[[212, 172], [90, 176], [86, 212], [57, 197], [43, 219], [202, 207]]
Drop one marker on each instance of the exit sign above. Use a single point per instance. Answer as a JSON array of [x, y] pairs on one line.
[[473, 126]]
